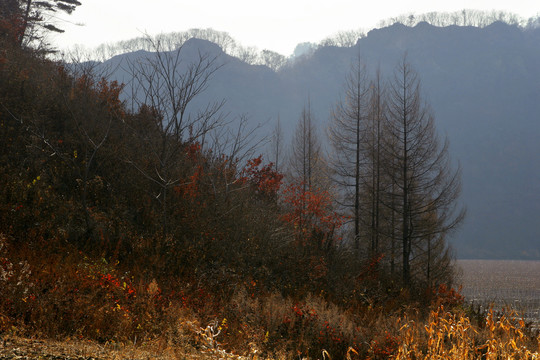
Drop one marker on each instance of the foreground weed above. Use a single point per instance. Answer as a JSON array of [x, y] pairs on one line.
[[208, 337]]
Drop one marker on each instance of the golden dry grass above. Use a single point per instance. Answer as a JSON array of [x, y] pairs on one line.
[[445, 336], [449, 336]]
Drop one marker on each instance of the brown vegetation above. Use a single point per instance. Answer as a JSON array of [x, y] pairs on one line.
[[126, 228]]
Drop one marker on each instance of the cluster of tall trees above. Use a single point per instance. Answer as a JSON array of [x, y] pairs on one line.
[[390, 175], [395, 174]]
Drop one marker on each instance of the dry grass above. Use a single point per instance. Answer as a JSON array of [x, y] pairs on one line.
[[14, 347], [450, 336], [101, 312], [446, 335]]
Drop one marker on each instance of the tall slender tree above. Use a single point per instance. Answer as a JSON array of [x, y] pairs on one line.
[[307, 168], [426, 187], [306, 163], [347, 134], [276, 145], [374, 183]]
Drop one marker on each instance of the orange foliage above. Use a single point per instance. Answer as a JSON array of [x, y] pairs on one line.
[[192, 188], [109, 94], [447, 296], [193, 151], [310, 211], [266, 180]]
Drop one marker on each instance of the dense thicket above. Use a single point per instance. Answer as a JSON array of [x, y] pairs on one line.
[[78, 166]]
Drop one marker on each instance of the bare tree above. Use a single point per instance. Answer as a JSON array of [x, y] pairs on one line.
[[236, 145], [374, 184], [344, 38], [426, 186], [272, 59], [347, 134], [247, 54], [163, 89], [276, 145], [306, 165]]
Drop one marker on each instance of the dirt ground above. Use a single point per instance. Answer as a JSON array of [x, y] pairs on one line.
[[12, 347]]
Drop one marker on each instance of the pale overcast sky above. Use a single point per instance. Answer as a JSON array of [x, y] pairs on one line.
[[278, 25]]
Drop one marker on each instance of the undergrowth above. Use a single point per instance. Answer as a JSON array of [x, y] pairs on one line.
[[71, 295]]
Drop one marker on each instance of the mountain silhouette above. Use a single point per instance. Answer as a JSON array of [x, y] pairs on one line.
[[483, 85]]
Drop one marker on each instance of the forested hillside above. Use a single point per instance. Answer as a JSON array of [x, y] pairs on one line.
[[481, 82], [127, 208]]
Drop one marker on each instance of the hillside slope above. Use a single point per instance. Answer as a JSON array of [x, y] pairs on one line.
[[484, 88]]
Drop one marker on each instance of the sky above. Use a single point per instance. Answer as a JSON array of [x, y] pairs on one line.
[[277, 25]]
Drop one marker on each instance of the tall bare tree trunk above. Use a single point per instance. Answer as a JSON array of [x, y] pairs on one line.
[[424, 182]]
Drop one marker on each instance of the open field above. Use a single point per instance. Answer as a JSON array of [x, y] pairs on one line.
[[505, 283]]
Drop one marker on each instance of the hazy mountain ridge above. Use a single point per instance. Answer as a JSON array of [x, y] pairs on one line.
[[484, 87]]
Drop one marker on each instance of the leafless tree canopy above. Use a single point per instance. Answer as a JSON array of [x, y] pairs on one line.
[[348, 135], [162, 93], [306, 165], [465, 17], [426, 188], [396, 179]]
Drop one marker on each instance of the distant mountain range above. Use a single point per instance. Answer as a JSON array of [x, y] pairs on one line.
[[482, 83]]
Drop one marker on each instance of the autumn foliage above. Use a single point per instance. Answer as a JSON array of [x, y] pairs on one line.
[[248, 262], [311, 213], [263, 177]]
